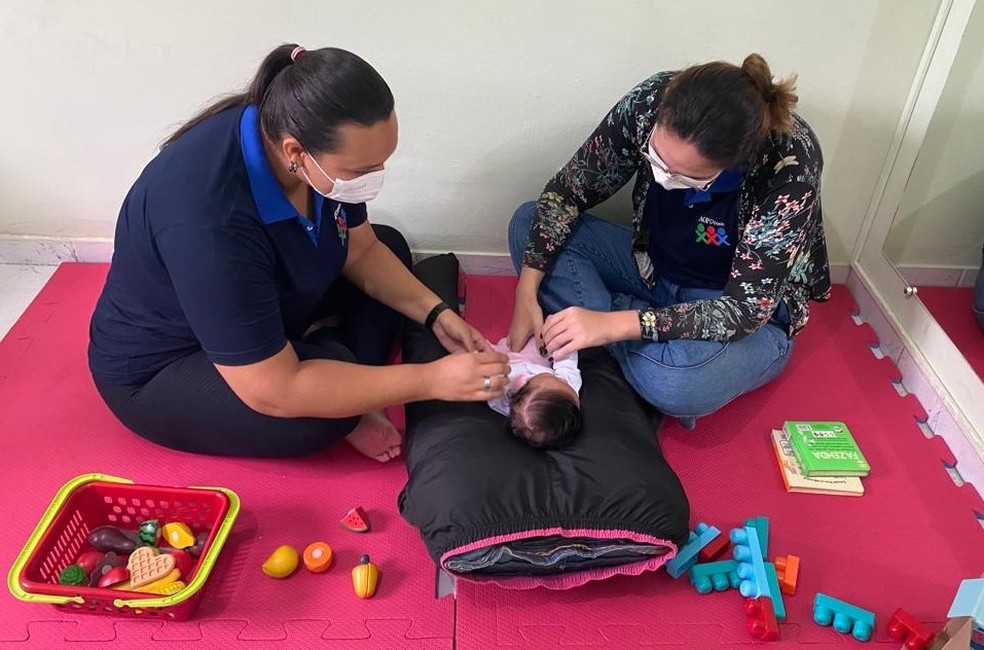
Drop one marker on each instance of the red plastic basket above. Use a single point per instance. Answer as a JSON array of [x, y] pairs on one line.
[[93, 500]]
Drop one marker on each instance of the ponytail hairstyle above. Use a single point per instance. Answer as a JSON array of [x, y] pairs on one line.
[[308, 95], [727, 111]]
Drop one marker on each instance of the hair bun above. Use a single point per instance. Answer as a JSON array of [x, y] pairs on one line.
[[779, 96]]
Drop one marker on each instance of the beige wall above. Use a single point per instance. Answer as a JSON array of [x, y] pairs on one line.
[[941, 218], [492, 97]]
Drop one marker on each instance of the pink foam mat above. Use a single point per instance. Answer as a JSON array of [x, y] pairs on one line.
[[54, 427], [907, 543], [951, 307]]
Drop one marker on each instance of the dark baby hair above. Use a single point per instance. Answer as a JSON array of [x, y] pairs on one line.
[[545, 418], [308, 96]]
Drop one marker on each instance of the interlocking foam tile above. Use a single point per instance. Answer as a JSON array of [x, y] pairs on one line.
[[54, 427], [907, 542], [951, 307]]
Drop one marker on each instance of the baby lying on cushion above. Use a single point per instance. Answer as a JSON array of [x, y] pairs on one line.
[[541, 399]]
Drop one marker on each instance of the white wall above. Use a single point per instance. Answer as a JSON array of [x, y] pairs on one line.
[[941, 218], [492, 97]]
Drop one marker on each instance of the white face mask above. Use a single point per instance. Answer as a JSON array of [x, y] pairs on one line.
[[663, 177], [357, 190], [671, 181]]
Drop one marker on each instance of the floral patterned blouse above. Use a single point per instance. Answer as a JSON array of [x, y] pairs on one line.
[[782, 251]]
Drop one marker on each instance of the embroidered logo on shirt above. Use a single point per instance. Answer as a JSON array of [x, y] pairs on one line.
[[341, 223], [712, 235]]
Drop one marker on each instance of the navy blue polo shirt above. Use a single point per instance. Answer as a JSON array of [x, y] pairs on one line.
[[692, 235], [210, 255]]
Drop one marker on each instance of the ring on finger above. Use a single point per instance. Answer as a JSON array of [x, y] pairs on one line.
[[487, 385]]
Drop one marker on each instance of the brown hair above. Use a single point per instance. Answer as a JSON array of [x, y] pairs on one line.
[[727, 110], [545, 418]]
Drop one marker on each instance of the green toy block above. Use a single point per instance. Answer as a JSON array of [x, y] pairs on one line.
[[761, 526], [714, 576], [774, 593], [845, 617]]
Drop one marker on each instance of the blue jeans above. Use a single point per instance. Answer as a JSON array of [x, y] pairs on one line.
[[684, 378]]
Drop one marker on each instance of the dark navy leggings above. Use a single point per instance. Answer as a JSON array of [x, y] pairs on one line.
[[189, 406]]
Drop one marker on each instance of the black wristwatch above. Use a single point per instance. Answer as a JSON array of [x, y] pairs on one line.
[[439, 309]]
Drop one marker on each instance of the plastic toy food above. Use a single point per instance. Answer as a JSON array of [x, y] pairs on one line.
[[110, 538], [157, 585], [146, 566], [182, 561], [89, 560], [356, 521], [317, 557], [282, 562], [114, 576], [73, 574], [108, 561], [150, 532], [364, 578], [199, 546], [178, 535]]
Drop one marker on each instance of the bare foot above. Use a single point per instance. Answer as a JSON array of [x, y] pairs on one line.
[[376, 437]]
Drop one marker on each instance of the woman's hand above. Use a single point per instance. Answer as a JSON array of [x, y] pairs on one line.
[[456, 335], [576, 328], [527, 317], [468, 376]]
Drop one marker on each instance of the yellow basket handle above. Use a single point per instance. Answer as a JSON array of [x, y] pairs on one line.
[[207, 561], [13, 578]]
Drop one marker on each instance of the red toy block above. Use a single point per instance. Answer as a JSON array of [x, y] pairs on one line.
[[904, 627], [787, 570], [714, 550], [762, 623]]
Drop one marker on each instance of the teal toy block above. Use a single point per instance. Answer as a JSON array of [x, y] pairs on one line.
[[845, 617], [969, 600], [761, 526], [686, 557], [774, 593], [714, 576], [751, 566]]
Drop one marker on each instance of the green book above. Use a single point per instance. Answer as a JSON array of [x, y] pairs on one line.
[[826, 449]]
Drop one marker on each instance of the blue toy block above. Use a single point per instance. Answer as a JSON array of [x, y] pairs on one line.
[[846, 618], [774, 593], [751, 567], [716, 576], [686, 557], [761, 526], [969, 600]]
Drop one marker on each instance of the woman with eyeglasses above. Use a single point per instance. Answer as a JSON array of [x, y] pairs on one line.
[[700, 299]]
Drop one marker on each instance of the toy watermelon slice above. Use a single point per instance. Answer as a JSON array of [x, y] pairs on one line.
[[356, 521]]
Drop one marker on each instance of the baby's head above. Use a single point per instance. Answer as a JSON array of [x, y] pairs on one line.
[[545, 412]]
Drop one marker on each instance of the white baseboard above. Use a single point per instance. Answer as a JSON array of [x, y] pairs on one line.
[[45, 251], [839, 273], [924, 385], [51, 251], [938, 276]]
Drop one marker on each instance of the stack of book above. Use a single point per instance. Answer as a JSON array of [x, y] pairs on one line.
[[819, 458]]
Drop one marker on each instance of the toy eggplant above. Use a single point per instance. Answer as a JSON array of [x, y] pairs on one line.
[[111, 538]]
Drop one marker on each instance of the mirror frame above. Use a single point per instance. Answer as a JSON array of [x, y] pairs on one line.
[[954, 381]]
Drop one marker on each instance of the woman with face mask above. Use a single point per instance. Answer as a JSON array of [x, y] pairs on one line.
[[250, 307], [700, 299]]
